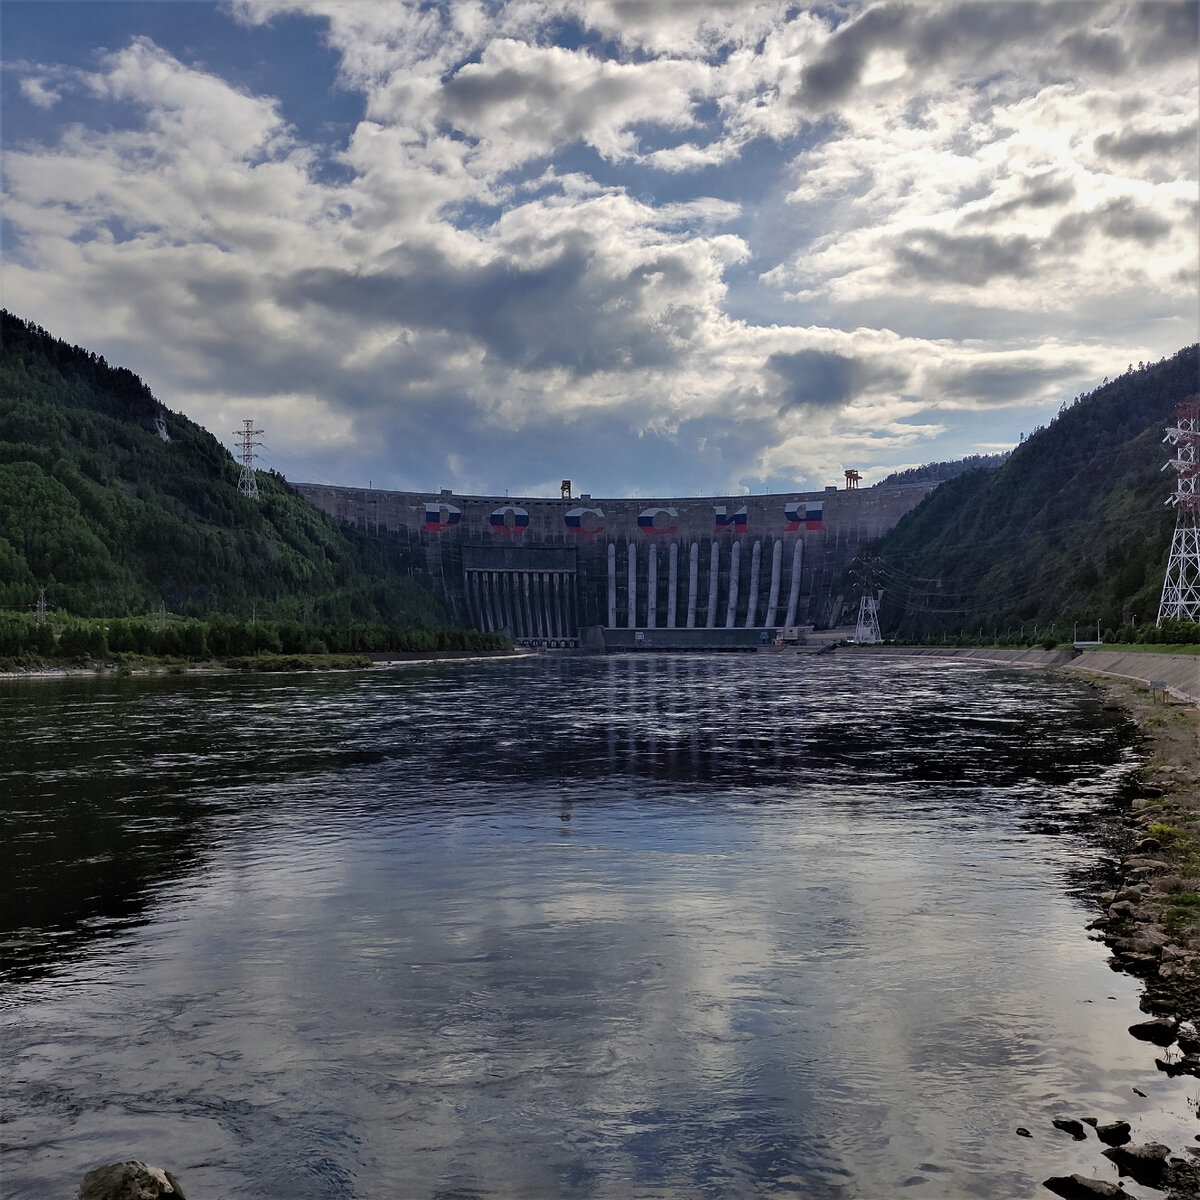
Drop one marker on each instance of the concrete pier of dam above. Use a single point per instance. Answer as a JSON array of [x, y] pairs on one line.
[[720, 569]]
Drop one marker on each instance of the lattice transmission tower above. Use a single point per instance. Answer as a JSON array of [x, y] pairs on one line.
[[866, 633], [1181, 586], [247, 480]]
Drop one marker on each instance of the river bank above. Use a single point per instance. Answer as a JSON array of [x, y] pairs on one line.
[[257, 664], [1152, 921]]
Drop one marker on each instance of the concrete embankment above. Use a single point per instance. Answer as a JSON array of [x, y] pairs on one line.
[[1179, 672]]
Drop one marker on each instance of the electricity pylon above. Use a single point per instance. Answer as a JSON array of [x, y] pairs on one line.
[[247, 480], [1181, 584]]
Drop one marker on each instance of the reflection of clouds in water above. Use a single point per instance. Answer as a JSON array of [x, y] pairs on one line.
[[751, 965]]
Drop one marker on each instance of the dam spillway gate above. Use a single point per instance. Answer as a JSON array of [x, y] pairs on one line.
[[715, 572]]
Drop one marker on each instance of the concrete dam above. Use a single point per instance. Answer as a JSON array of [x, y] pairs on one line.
[[674, 573]]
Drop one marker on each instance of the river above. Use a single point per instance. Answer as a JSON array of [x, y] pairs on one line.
[[646, 926]]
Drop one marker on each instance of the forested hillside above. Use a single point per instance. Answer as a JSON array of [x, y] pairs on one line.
[[939, 472], [1071, 528], [112, 520]]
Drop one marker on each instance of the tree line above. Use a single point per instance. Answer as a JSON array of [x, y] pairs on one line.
[[25, 640]]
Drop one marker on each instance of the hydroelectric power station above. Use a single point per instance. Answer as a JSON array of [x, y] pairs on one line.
[[614, 573]]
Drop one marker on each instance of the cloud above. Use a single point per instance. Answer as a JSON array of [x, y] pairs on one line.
[[828, 379], [973, 259], [525, 100], [563, 311], [38, 93], [1133, 144], [989, 383], [1120, 219], [708, 244]]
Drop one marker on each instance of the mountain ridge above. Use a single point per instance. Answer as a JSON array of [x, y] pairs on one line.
[[1072, 527]]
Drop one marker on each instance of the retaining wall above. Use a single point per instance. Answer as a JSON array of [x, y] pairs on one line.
[[1180, 672]]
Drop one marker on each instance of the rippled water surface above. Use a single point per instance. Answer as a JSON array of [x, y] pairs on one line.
[[660, 927]]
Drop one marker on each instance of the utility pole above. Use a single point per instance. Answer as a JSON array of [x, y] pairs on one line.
[[1181, 584], [247, 480]]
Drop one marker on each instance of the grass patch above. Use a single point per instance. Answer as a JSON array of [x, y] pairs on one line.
[[1168, 835], [1181, 912]]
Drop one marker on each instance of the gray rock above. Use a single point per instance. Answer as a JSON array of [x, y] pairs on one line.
[[130, 1180], [1145, 948], [1080, 1187], [1071, 1126], [1134, 893], [1115, 1133], [1147, 1163], [1154, 933], [1174, 970], [1188, 1034], [1189, 1064], [1160, 1031]]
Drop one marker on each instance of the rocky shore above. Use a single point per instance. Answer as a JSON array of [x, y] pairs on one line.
[[1151, 923]]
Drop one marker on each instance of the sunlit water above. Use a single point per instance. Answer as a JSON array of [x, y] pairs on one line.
[[661, 927]]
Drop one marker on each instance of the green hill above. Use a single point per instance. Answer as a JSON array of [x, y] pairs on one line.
[[112, 520], [1071, 528], [939, 472]]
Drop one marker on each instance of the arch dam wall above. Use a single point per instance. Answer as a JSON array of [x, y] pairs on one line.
[[543, 569]]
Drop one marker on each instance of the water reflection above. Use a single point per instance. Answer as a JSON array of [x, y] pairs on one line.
[[666, 927]]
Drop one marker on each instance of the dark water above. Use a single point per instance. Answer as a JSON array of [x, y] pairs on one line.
[[745, 926]]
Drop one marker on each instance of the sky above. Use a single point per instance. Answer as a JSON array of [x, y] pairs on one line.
[[689, 248]]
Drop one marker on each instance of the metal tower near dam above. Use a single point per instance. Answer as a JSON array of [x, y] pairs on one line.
[[247, 480], [1181, 586]]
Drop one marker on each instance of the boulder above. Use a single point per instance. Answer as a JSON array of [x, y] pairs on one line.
[[1147, 1163], [1115, 1133], [1071, 1126], [1187, 1065], [1080, 1187], [129, 1180], [1155, 934], [1160, 1031], [1134, 893], [1145, 947]]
